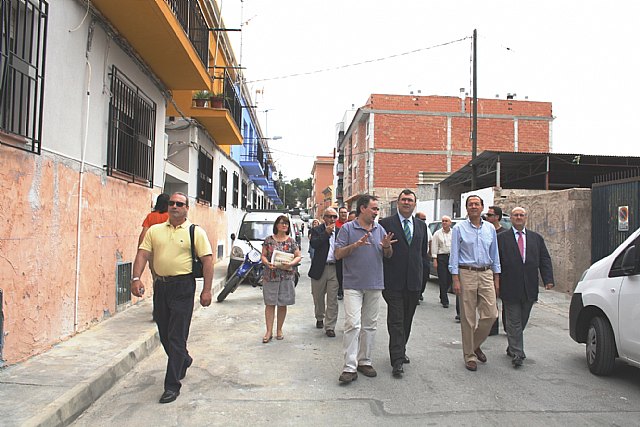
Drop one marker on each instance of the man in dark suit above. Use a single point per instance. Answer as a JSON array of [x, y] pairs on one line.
[[522, 254], [403, 276], [324, 279]]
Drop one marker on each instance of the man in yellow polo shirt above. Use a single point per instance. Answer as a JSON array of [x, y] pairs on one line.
[[174, 287]]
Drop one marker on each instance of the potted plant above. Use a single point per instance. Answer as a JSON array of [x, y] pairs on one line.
[[216, 101], [200, 97]]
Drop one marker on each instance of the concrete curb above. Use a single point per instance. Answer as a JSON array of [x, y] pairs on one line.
[[70, 405]]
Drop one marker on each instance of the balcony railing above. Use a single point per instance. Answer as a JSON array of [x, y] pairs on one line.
[[191, 18], [231, 100]]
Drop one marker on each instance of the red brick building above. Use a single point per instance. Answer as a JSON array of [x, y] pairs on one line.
[[395, 141], [322, 177]]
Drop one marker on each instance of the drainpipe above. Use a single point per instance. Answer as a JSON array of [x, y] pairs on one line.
[[81, 180]]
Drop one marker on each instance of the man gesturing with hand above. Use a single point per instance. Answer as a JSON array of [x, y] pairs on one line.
[[362, 244]]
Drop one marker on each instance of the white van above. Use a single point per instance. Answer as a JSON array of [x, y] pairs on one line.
[[605, 308], [256, 225]]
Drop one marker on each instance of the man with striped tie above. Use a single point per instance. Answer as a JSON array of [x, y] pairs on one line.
[[403, 276]]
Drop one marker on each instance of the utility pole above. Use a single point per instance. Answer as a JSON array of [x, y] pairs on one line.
[[474, 132]]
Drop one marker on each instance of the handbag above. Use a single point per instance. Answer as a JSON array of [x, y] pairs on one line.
[[196, 264]]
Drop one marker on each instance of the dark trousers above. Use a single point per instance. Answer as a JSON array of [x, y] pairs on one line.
[[494, 329], [444, 278], [339, 275], [517, 317], [426, 271], [401, 306], [172, 311]]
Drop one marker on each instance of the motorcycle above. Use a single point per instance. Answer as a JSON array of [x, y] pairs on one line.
[[252, 261]]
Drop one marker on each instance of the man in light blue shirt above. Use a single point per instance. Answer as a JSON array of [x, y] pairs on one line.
[[475, 269]]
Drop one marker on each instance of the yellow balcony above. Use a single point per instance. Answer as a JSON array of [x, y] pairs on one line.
[[176, 52], [217, 121]]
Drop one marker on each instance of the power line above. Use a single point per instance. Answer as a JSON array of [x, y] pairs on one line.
[[368, 61]]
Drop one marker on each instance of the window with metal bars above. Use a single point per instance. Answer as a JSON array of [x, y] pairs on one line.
[[245, 190], [236, 190], [205, 176], [132, 132], [222, 197], [123, 283], [23, 28]]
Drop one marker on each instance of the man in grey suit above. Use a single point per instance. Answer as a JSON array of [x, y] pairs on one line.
[[522, 254], [403, 276]]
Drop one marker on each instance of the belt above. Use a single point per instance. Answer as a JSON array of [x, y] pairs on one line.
[[468, 267], [174, 279]]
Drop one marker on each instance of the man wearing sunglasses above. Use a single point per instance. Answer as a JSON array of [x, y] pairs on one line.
[[324, 278], [174, 286]]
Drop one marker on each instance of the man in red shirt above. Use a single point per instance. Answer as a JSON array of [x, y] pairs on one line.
[[342, 217]]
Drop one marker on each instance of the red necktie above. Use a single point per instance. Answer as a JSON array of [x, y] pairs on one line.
[[521, 244]]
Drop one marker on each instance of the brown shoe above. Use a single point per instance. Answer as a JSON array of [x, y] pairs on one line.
[[367, 370], [480, 355], [471, 365], [347, 377], [330, 333]]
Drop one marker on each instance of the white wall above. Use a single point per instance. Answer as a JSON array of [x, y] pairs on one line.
[[66, 78]]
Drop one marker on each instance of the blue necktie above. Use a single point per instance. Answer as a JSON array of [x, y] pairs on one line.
[[407, 231]]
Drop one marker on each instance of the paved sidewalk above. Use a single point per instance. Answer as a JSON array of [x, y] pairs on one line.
[[55, 387]]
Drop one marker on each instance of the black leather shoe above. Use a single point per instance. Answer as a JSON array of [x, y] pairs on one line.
[[445, 305], [340, 297], [169, 396], [517, 361], [186, 366], [330, 333], [406, 360], [398, 370], [319, 324]]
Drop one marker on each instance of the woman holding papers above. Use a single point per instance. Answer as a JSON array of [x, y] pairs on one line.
[[280, 254]]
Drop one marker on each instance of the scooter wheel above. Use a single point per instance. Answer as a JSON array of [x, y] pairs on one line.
[[229, 287]]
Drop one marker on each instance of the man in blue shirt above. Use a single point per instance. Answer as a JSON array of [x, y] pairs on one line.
[[475, 269]]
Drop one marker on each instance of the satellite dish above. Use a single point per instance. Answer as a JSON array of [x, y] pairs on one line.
[[274, 176]]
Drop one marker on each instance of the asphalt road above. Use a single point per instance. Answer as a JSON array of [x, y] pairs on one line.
[[238, 381]]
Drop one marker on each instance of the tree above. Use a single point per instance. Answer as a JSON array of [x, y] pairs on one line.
[[294, 193]]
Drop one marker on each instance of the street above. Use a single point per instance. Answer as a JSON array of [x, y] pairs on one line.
[[237, 380]]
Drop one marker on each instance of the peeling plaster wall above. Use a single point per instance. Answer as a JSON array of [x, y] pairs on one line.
[[563, 218], [38, 247]]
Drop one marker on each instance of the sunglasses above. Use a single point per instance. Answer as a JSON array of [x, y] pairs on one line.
[[489, 214], [283, 223], [178, 204], [331, 216]]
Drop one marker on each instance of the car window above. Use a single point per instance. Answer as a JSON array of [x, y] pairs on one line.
[[616, 267], [256, 230]]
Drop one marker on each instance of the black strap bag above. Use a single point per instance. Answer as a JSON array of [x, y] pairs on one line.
[[196, 264]]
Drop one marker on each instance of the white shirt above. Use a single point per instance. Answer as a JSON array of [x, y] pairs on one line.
[[441, 243]]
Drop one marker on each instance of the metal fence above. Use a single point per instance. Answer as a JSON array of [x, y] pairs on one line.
[[190, 16]]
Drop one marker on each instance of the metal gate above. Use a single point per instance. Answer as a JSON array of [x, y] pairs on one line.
[[615, 213]]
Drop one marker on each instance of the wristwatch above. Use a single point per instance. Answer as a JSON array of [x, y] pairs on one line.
[[134, 279]]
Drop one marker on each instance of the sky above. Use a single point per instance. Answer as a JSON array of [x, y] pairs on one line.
[[580, 55]]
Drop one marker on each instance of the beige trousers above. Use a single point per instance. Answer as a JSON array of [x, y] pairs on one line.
[[478, 310], [327, 286]]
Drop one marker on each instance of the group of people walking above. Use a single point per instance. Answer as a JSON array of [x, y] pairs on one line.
[[387, 259], [359, 260]]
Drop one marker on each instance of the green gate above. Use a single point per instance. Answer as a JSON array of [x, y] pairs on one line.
[[615, 214]]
